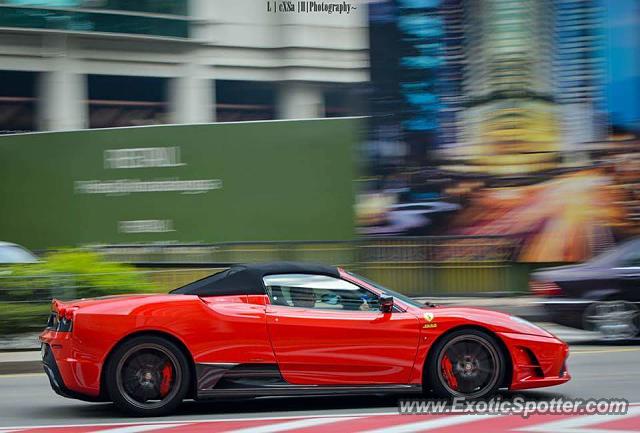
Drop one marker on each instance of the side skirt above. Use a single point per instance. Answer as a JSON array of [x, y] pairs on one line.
[[256, 380]]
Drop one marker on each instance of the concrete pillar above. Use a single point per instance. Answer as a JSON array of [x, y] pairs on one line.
[[192, 93], [191, 98], [62, 92], [300, 101], [62, 101]]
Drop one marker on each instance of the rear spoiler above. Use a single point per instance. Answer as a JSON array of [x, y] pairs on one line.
[[62, 309]]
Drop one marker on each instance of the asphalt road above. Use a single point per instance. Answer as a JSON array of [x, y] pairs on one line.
[[599, 370]]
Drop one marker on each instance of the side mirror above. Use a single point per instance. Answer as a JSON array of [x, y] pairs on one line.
[[386, 303]]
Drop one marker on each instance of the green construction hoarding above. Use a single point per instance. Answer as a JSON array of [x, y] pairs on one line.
[[227, 182]]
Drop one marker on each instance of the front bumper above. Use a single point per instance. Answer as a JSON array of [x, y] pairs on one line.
[[537, 361]]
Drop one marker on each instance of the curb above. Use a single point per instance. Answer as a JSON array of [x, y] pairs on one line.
[[20, 367]]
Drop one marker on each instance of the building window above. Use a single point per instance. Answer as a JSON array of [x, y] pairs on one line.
[[126, 101], [74, 19], [245, 100], [337, 103], [17, 101]]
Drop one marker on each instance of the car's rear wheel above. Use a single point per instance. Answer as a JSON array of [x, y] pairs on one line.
[[467, 363], [148, 376]]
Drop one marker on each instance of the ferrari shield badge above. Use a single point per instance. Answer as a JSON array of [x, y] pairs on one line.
[[429, 318]]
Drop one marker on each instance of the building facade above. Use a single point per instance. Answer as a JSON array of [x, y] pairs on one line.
[[579, 71], [451, 74], [510, 120], [73, 64]]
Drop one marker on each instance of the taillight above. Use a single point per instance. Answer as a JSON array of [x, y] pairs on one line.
[[544, 288], [66, 313], [61, 318]]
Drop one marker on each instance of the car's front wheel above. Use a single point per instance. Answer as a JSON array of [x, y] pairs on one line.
[[467, 363], [147, 376]]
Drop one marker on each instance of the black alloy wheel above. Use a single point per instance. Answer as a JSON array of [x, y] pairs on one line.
[[148, 376], [468, 364]]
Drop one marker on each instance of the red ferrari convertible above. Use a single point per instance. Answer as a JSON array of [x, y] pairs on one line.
[[287, 329]]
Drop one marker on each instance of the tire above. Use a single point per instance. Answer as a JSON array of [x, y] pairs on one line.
[[614, 320], [148, 376], [465, 374]]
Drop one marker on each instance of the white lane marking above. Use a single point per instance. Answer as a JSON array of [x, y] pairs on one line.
[[205, 420], [292, 425], [580, 423], [137, 428], [432, 424]]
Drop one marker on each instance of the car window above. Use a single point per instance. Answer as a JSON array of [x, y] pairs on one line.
[[619, 255], [630, 256], [632, 259], [319, 292], [10, 254]]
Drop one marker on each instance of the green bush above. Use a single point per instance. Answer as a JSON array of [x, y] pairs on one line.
[[74, 273], [26, 290], [19, 318]]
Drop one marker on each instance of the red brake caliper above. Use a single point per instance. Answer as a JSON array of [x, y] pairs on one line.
[[167, 377], [447, 369]]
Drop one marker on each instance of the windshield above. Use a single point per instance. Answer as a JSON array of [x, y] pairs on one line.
[[403, 298]]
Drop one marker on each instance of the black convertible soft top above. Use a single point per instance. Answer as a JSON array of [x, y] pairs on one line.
[[247, 279]]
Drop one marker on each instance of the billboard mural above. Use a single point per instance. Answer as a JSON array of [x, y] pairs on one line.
[[515, 118], [251, 181]]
